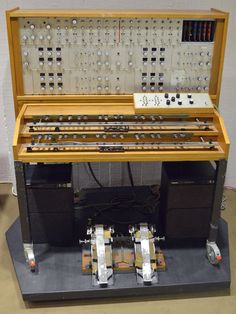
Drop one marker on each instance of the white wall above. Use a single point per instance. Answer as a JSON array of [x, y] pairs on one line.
[[227, 105]]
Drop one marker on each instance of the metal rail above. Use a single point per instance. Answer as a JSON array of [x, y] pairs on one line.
[[115, 124], [106, 117], [118, 147], [52, 137]]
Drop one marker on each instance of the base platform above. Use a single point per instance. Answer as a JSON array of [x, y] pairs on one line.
[[60, 275]]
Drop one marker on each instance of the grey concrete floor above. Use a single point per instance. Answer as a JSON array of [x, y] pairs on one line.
[[11, 301]]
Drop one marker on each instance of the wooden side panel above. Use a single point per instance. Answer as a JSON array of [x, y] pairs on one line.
[[218, 57], [223, 135], [16, 137], [15, 57]]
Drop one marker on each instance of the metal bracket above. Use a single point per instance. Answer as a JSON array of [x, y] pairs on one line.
[[101, 252], [145, 257], [29, 256]]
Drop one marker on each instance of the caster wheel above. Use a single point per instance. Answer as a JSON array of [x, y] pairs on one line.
[[32, 266], [213, 254]]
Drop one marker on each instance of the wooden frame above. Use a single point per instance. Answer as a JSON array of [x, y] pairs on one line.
[[25, 105], [15, 57]]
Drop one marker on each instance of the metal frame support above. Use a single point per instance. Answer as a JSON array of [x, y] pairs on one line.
[[213, 252], [24, 215], [221, 166], [22, 202]]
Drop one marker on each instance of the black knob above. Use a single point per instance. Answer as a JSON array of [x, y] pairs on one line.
[[172, 98], [189, 95], [177, 95], [180, 102], [166, 95], [168, 102], [191, 102]]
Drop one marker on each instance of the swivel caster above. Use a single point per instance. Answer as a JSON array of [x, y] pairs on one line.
[[32, 266], [213, 253], [30, 257]]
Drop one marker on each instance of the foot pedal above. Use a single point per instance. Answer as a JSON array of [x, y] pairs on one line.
[[145, 255], [101, 251]]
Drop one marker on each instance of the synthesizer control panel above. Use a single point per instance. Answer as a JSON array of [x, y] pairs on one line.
[[172, 101], [102, 55]]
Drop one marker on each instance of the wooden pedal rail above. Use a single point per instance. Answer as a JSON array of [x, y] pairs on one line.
[[215, 132]]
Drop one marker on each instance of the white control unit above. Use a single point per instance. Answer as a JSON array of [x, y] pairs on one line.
[[144, 101]]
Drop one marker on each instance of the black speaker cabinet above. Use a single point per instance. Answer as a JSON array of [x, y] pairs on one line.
[[50, 203], [187, 190]]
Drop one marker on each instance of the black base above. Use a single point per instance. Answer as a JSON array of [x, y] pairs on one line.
[[60, 277]]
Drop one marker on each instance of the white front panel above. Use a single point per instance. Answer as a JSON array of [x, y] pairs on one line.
[[111, 56]]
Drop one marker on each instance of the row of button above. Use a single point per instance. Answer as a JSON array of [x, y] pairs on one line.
[[177, 96]]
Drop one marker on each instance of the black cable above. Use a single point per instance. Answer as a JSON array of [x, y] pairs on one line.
[[130, 174], [117, 204], [93, 175]]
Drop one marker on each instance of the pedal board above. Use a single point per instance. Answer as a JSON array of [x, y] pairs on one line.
[[137, 254]]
